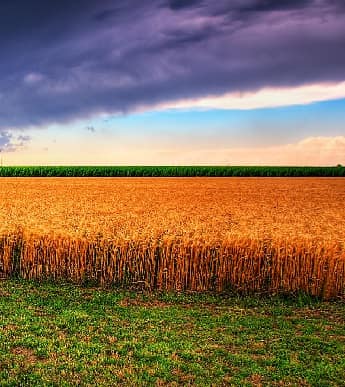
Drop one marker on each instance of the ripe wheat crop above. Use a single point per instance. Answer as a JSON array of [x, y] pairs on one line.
[[246, 234]]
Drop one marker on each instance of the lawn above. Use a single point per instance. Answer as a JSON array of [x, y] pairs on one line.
[[62, 334]]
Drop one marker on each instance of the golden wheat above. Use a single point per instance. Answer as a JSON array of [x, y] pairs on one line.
[[250, 235]]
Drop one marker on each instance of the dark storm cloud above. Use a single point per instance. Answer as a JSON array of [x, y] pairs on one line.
[[72, 59], [273, 5], [180, 4]]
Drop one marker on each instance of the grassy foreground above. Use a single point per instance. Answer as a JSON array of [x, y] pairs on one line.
[[68, 335]]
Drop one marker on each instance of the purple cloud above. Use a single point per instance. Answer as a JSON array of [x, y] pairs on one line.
[[67, 60]]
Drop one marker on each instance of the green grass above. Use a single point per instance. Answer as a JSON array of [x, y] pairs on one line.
[[67, 335], [179, 171]]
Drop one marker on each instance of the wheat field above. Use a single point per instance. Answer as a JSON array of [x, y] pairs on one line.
[[263, 235]]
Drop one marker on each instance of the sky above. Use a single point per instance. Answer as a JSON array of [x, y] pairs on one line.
[[172, 82]]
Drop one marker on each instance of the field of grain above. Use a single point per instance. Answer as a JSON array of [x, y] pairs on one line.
[[246, 234]]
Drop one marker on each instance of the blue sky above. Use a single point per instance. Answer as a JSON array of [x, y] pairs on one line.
[[266, 126], [183, 136]]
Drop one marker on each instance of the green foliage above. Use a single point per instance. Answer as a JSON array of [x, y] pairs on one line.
[[68, 335], [170, 171]]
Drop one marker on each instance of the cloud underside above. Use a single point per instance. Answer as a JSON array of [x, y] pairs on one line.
[[72, 60], [265, 98]]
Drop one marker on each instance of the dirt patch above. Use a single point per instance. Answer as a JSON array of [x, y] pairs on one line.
[[255, 380], [138, 302], [27, 353], [333, 316], [9, 327], [4, 293]]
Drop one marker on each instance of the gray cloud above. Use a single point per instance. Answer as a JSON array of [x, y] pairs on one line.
[[273, 5], [5, 139], [68, 60], [11, 143], [181, 4]]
